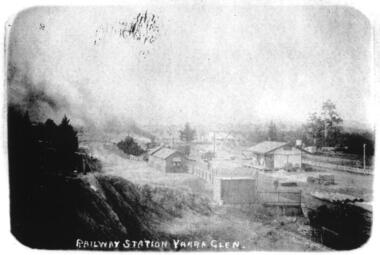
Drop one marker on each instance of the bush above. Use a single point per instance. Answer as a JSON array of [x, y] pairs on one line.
[[130, 147]]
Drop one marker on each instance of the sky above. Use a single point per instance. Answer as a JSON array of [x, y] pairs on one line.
[[206, 64]]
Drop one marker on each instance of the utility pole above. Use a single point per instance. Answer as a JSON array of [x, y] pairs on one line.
[[214, 143], [364, 164], [325, 133]]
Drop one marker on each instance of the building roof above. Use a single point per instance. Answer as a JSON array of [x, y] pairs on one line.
[[154, 150], [164, 153], [266, 147]]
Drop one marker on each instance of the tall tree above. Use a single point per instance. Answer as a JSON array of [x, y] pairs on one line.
[[188, 134], [314, 130], [68, 139], [324, 129], [272, 132], [331, 121]]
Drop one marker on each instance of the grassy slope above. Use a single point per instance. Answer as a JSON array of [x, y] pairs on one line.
[[100, 207]]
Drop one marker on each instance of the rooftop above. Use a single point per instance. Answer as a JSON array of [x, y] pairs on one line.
[[266, 147], [163, 153], [154, 150]]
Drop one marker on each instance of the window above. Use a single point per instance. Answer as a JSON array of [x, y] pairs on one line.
[[177, 161]]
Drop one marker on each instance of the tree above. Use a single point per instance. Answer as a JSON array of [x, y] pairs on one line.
[[272, 132], [188, 134], [314, 130], [329, 114], [67, 137], [256, 135], [331, 121], [129, 146], [324, 129]]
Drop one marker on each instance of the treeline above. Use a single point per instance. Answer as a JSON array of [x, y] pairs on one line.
[[43, 158], [350, 142], [323, 129], [46, 147]]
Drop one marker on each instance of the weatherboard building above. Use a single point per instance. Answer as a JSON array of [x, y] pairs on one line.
[[168, 160], [275, 155]]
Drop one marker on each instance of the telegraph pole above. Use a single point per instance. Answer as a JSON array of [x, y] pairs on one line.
[[364, 164], [214, 143]]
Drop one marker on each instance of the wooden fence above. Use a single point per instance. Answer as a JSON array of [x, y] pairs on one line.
[[286, 198], [328, 166], [333, 160], [205, 173], [136, 158]]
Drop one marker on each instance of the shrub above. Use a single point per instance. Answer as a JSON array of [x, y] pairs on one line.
[[129, 146]]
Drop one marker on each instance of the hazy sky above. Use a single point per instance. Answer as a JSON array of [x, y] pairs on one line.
[[208, 63]]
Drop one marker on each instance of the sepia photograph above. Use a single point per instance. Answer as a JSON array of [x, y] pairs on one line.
[[190, 126]]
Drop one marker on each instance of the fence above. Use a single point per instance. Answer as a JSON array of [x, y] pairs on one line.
[[205, 173], [333, 160], [286, 198], [136, 158], [329, 166]]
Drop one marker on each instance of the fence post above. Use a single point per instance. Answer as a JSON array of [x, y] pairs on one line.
[[300, 197]]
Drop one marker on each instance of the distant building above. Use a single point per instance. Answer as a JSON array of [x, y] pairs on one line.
[[168, 160], [275, 155], [225, 137]]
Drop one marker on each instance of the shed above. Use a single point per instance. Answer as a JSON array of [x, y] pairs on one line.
[[275, 155], [168, 160], [235, 190]]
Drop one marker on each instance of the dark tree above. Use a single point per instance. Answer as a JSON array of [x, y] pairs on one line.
[[314, 130], [188, 134], [353, 143], [331, 122], [272, 132], [68, 139], [129, 146], [324, 129]]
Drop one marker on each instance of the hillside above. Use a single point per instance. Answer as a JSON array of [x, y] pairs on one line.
[[100, 207]]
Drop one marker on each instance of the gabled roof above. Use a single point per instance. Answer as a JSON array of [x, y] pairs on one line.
[[266, 147], [164, 153], [154, 150]]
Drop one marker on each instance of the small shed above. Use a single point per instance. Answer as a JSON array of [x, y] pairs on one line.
[[235, 190], [275, 155], [168, 160]]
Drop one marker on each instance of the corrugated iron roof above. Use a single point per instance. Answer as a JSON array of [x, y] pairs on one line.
[[164, 153], [266, 147]]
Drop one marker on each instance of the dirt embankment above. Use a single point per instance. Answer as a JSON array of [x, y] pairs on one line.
[[98, 207]]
